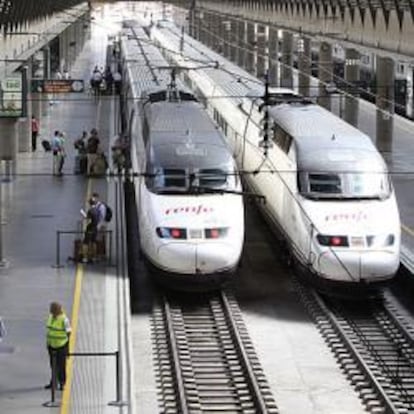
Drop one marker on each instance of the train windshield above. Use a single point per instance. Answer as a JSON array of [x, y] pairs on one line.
[[350, 185], [176, 169]]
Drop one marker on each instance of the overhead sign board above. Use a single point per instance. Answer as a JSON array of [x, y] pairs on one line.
[[57, 85], [11, 92]]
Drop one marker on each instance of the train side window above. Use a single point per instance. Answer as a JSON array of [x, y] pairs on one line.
[[145, 130], [281, 138]]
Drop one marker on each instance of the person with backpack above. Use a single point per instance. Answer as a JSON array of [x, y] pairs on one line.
[[104, 217], [89, 244]]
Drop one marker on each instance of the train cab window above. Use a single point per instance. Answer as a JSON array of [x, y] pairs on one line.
[[212, 177], [174, 177], [324, 183], [157, 96], [186, 96], [368, 185], [166, 179], [349, 186]]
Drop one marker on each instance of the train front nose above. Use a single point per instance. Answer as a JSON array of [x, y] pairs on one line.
[[199, 258], [357, 266]]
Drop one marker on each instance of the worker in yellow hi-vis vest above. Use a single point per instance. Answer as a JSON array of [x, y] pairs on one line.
[[57, 338]]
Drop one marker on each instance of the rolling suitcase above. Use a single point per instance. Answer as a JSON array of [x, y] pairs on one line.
[[80, 164], [46, 145], [99, 166], [77, 250]]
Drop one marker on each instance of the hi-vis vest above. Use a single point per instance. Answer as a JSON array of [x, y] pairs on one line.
[[56, 331]]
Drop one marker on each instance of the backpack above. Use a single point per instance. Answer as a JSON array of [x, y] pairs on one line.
[[108, 213]]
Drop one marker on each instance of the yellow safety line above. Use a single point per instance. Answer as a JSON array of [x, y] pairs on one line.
[[407, 230], [75, 317], [64, 408]]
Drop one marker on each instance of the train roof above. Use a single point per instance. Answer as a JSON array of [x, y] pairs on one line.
[[305, 119], [181, 119], [183, 136], [323, 139], [142, 60]]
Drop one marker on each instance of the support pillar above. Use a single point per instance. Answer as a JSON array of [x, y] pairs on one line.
[[63, 51], [385, 103], [215, 33], [70, 48], [44, 102], [325, 73], [232, 40], [212, 41], [251, 47], [8, 147], [304, 65], [262, 34], [220, 32], [204, 27], [352, 77], [242, 36], [198, 21], [287, 60], [24, 124], [226, 26], [273, 48], [191, 22]]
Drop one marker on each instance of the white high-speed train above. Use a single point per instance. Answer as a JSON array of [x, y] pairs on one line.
[[190, 208], [327, 188]]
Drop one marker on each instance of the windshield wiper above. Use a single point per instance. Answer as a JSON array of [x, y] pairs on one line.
[[195, 189], [331, 197], [199, 189]]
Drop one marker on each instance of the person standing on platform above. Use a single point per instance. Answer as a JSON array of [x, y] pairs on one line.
[[57, 339], [92, 147], [91, 232], [35, 132], [58, 148], [101, 206], [117, 77]]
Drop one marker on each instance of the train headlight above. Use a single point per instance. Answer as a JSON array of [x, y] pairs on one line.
[[332, 241], [216, 233], [171, 233], [381, 240]]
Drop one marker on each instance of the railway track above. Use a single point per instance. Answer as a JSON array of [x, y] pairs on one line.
[[206, 361], [373, 345]]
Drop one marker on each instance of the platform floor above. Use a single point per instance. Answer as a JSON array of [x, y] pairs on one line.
[[35, 206]]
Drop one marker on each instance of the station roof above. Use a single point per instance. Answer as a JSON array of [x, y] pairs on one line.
[[15, 13]]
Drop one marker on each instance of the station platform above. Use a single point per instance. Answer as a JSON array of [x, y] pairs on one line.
[[38, 210], [35, 206]]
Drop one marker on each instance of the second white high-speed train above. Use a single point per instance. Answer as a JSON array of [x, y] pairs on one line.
[[327, 188], [189, 202]]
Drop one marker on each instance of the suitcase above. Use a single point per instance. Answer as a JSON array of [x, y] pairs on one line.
[[77, 250], [101, 248], [80, 164], [99, 166], [46, 145]]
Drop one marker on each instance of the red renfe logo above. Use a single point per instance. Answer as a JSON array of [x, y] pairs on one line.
[[194, 209], [358, 216]]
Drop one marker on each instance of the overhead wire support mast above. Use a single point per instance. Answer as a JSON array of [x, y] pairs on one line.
[[265, 142]]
